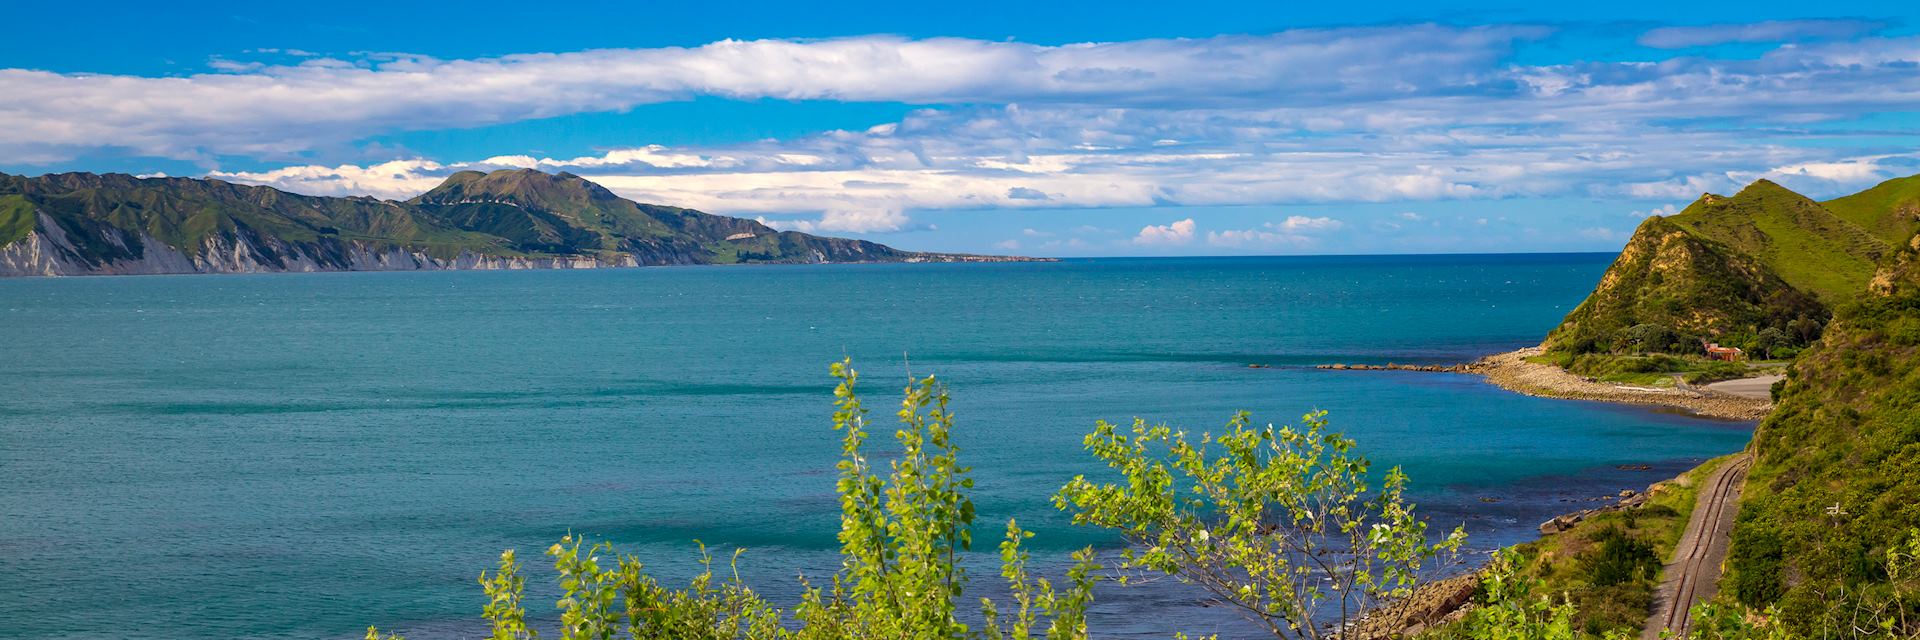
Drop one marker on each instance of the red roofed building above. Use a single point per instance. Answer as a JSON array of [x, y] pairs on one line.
[[1717, 352]]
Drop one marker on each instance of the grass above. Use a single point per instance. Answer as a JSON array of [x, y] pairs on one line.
[[1650, 370], [16, 219], [1609, 564], [1869, 209], [1832, 484], [1810, 247]]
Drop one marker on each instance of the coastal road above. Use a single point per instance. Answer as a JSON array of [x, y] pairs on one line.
[[1760, 388], [1694, 572]]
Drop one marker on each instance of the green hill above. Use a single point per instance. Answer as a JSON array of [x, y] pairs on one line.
[[1833, 485], [1808, 246], [1763, 267], [81, 223], [1890, 210], [1670, 287]]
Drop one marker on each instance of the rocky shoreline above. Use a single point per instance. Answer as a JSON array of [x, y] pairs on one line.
[[1513, 372], [1441, 602]]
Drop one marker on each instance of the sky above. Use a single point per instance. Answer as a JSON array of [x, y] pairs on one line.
[[1057, 129]]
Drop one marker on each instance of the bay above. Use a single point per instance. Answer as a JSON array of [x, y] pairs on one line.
[[302, 455]]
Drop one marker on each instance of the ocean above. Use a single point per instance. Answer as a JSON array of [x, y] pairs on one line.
[[304, 455]]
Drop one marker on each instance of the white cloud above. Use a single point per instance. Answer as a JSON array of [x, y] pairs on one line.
[[398, 179], [1768, 31], [1600, 233], [1035, 233], [1396, 80], [1175, 234], [1302, 223], [1376, 114], [1295, 232], [1845, 174], [1662, 210], [262, 109], [1007, 245], [849, 221]]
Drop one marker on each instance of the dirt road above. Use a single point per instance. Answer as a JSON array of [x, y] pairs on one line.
[[1693, 573], [1758, 388]]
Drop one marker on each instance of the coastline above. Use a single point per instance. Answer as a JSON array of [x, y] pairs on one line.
[[1448, 600], [1512, 371]]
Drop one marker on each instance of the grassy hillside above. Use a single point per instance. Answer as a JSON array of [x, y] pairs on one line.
[[1889, 211], [185, 214], [1670, 287], [16, 219], [1759, 270], [1834, 481], [1808, 246]]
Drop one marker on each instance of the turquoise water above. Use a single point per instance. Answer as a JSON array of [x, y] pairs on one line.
[[299, 456]]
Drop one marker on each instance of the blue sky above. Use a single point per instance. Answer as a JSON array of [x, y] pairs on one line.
[[1042, 128]]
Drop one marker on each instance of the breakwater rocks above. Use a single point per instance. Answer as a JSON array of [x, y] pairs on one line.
[[1514, 372], [1440, 368], [1629, 499]]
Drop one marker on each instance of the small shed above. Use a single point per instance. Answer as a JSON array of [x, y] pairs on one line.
[[1728, 354]]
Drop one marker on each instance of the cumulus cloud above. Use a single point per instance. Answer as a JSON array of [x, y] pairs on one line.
[[1850, 171], [1294, 232], [1662, 210], [396, 180], [1760, 32], [1296, 224], [1383, 78], [848, 221], [1175, 234], [1375, 114], [263, 109]]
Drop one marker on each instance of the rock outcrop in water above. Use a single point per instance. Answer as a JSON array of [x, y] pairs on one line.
[[88, 224]]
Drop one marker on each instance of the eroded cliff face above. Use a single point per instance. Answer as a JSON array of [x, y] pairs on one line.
[[50, 251]]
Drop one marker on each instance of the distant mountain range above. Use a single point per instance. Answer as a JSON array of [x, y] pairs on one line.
[[87, 224], [1729, 268]]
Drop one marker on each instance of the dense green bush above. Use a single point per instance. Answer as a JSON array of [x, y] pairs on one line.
[[1833, 486], [1715, 371], [1509, 606], [1620, 558]]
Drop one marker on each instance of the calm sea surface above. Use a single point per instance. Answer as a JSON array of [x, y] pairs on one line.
[[300, 456]]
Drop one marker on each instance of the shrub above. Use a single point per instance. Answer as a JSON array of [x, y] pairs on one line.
[[900, 536], [1281, 523], [1620, 558]]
